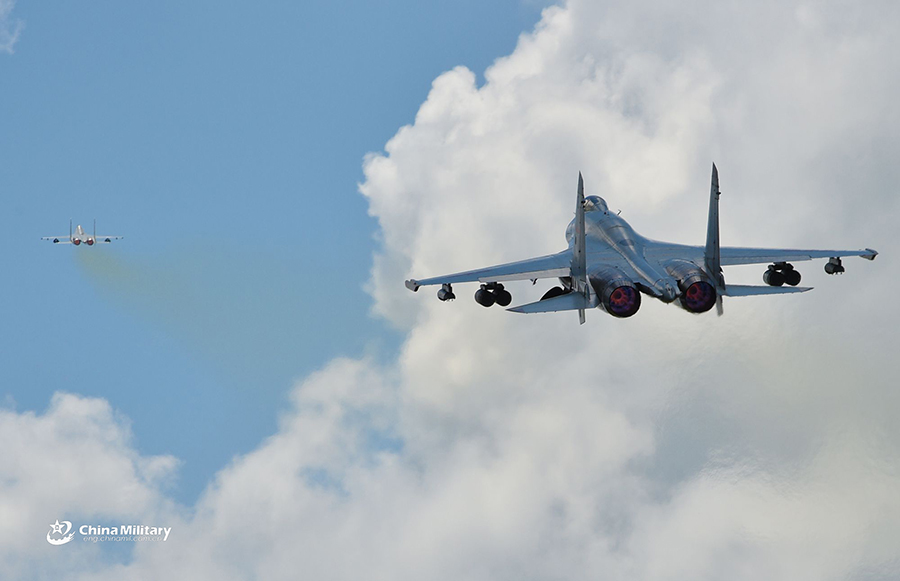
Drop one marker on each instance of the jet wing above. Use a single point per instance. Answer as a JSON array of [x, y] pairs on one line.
[[106, 239], [550, 266], [58, 239], [733, 256]]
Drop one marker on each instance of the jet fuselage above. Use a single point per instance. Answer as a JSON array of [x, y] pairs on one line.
[[605, 231]]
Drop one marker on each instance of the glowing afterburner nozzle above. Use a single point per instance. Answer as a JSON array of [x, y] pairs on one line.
[[624, 301], [699, 297]]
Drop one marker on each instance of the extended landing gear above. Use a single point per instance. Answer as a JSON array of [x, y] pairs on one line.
[[834, 266], [493, 292], [446, 293], [780, 273]]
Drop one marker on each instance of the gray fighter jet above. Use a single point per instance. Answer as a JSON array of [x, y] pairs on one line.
[[609, 265], [79, 236]]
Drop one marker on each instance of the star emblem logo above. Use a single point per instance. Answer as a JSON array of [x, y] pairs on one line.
[[60, 528]]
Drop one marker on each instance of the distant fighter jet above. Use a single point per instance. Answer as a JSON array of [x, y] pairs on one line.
[[80, 236], [609, 265]]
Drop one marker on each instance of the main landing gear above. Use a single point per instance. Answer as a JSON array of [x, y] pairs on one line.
[[493, 292], [780, 273]]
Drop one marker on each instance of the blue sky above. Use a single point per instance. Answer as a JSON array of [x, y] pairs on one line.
[[225, 143]]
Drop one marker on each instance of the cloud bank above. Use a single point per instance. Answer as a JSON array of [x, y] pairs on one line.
[[667, 446], [77, 459]]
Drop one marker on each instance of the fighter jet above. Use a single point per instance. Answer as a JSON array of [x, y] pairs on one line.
[[80, 236], [609, 265]]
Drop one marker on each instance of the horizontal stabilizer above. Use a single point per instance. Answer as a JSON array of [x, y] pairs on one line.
[[571, 301], [746, 290]]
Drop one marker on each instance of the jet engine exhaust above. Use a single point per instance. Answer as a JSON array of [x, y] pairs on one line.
[[617, 293], [699, 297], [623, 302]]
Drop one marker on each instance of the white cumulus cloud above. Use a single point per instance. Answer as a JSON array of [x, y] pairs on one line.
[[74, 462]]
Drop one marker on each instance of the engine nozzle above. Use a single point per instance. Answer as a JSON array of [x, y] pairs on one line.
[[698, 295], [623, 301], [617, 293]]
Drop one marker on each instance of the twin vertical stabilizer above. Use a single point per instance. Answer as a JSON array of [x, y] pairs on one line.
[[711, 258], [579, 257]]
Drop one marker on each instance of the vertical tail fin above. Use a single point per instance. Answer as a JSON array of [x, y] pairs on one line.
[[70, 228], [95, 228], [711, 257], [579, 258]]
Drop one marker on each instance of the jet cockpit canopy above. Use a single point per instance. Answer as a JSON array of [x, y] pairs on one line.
[[595, 204]]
